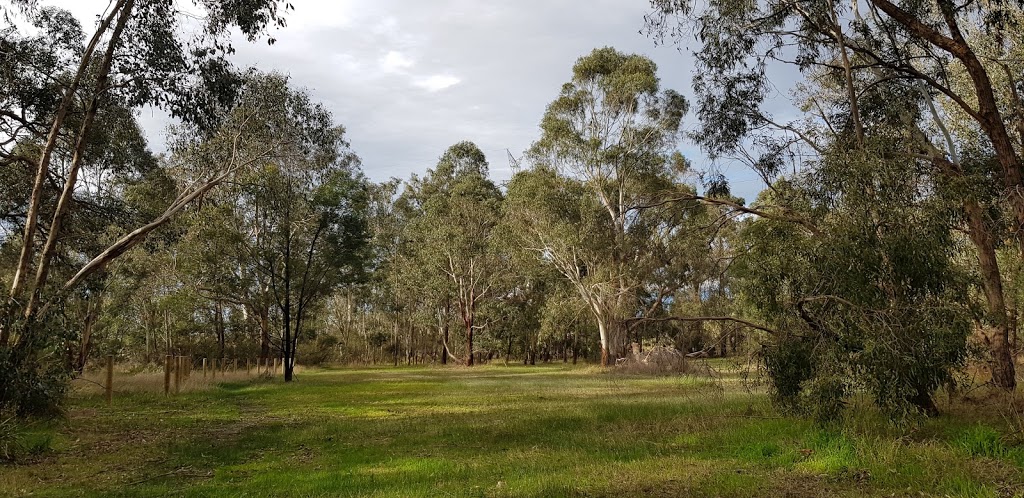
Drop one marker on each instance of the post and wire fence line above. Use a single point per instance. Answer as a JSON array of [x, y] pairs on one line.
[[182, 374]]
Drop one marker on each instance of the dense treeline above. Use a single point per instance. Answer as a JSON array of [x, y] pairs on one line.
[[885, 245]]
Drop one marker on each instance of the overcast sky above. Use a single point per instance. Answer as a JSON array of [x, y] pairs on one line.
[[409, 78]]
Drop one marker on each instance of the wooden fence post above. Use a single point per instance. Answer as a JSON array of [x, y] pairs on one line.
[[110, 379], [177, 374], [167, 375], [204, 368]]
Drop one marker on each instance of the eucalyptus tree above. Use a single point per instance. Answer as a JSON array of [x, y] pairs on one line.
[[387, 290], [557, 220], [867, 297], [563, 324], [613, 131], [413, 279], [138, 54], [923, 44], [313, 239], [29, 94], [453, 233], [301, 211], [213, 262], [688, 288], [875, 303], [957, 79], [265, 124], [849, 263], [529, 285]]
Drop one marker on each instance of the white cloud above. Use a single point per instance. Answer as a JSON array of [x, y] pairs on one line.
[[395, 62], [386, 27], [436, 82], [318, 14]]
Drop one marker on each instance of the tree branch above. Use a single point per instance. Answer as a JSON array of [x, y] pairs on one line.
[[704, 319]]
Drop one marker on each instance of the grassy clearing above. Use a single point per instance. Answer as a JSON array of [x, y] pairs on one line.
[[501, 431]]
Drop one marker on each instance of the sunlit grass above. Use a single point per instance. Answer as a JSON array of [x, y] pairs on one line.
[[497, 431]]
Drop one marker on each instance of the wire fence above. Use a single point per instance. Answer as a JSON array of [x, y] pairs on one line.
[[179, 374]]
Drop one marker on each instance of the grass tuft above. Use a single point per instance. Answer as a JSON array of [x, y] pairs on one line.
[[982, 441]]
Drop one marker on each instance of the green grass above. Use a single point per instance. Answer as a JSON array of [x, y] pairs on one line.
[[499, 431]]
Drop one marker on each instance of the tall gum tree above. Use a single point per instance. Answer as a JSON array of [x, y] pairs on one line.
[[613, 128], [458, 210], [304, 211], [557, 219]]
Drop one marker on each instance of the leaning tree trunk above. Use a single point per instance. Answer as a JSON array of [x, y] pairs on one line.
[[71, 180], [86, 344], [42, 173], [987, 111], [997, 333]]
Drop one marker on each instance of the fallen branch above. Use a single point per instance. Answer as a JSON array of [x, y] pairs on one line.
[[449, 352], [704, 319], [89, 381], [178, 471]]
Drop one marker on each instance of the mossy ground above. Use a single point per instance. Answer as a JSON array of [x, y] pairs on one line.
[[502, 431]]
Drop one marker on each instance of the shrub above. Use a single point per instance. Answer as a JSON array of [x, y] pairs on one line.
[[34, 376], [320, 351], [874, 303]]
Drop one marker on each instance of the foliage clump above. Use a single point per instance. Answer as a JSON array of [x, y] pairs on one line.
[[34, 378], [871, 303]]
